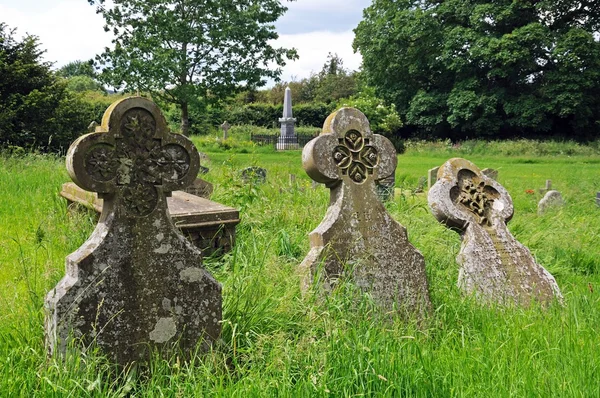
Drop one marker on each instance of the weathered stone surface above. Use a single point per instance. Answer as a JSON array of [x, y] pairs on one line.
[[358, 238], [256, 175], [432, 177], [598, 198], [493, 264], [492, 173], [209, 225], [386, 187], [552, 199], [137, 283], [200, 188]]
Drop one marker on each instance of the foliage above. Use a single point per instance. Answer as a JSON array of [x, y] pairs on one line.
[[77, 68], [278, 342], [481, 68], [80, 83], [36, 109], [191, 50]]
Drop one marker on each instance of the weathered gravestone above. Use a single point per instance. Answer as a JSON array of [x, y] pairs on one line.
[[255, 175], [287, 137], [137, 283], [386, 187], [552, 199], [225, 127], [201, 188], [494, 265], [598, 198], [547, 188], [358, 238], [492, 173], [432, 177]]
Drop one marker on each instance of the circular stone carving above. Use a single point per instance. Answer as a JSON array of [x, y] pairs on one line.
[[138, 124], [100, 163], [139, 200], [174, 162], [354, 140]]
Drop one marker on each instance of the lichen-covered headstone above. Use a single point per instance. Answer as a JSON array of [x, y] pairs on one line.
[[137, 284], [255, 175], [493, 264], [552, 199], [358, 239]]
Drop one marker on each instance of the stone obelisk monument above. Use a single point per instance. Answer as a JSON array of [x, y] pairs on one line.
[[287, 138]]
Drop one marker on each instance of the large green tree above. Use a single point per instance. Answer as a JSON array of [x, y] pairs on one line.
[[465, 68], [36, 109], [191, 50]]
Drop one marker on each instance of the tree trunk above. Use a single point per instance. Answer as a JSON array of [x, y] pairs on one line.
[[185, 119]]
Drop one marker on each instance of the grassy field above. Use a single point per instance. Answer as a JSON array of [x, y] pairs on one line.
[[276, 342]]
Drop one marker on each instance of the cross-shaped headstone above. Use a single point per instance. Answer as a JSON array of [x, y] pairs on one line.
[[547, 188], [358, 238], [137, 283], [225, 127], [493, 264]]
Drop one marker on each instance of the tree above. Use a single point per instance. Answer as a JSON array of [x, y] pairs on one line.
[[184, 51], [334, 81], [78, 68], [481, 68], [36, 110]]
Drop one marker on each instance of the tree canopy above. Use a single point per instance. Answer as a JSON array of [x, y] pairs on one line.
[[186, 51], [468, 68], [36, 110]]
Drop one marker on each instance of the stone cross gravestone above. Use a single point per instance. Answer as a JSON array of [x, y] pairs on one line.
[[552, 199], [547, 188], [225, 127], [357, 237], [137, 284], [493, 264]]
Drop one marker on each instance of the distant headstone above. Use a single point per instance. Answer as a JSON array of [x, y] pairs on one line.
[[200, 188], [256, 175], [493, 264], [547, 188], [357, 238], [137, 284], [287, 138], [492, 173], [420, 185], [385, 187], [598, 198], [432, 177], [203, 170], [225, 127], [92, 126], [552, 199]]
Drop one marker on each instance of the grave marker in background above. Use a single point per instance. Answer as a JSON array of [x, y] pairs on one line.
[[253, 174], [287, 138], [493, 264], [225, 127], [552, 199], [432, 176], [137, 283], [358, 238], [547, 188]]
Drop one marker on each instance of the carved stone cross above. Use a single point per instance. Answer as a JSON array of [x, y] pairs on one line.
[[493, 264], [137, 283], [357, 238], [225, 127]]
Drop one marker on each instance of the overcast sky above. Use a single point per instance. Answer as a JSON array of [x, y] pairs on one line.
[[71, 30]]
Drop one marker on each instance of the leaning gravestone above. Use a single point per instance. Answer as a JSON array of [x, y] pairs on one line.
[[137, 284], [358, 238], [256, 175], [552, 199], [494, 265]]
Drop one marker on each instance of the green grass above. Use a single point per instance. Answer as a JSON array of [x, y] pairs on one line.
[[276, 342]]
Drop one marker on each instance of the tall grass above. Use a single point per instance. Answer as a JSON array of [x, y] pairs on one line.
[[275, 341]]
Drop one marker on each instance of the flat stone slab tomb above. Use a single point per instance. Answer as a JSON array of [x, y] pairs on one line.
[[209, 225]]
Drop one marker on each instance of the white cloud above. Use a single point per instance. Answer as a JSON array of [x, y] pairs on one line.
[[68, 29], [313, 48], [326, 5]]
